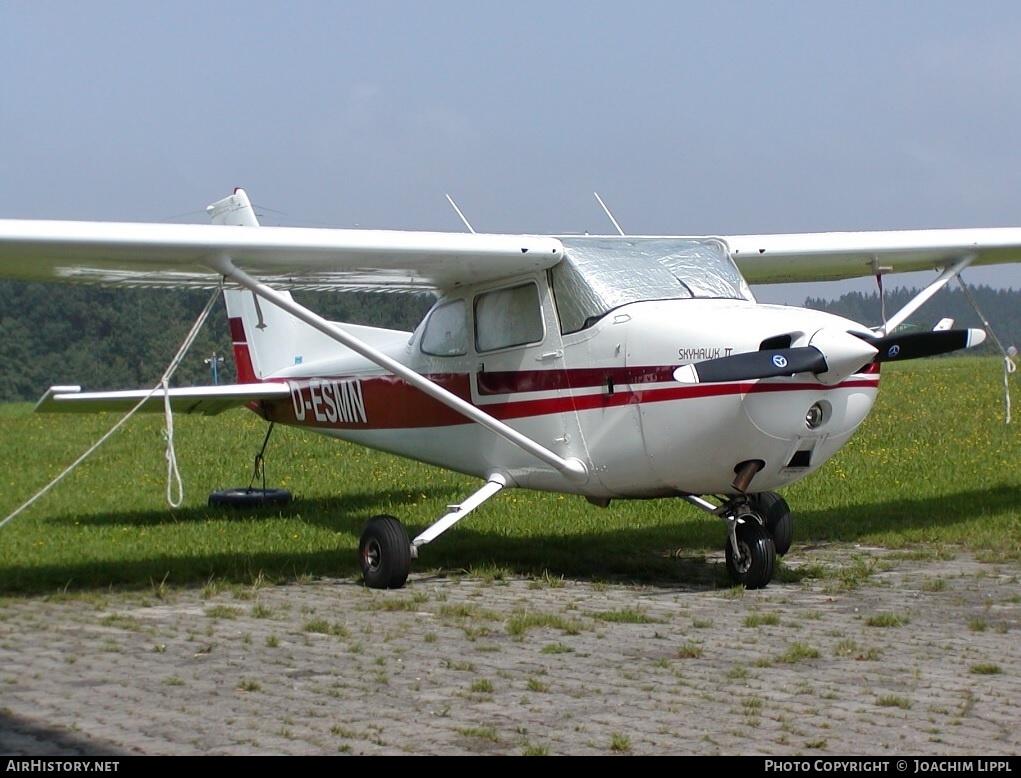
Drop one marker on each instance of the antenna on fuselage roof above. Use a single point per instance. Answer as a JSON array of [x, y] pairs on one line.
[[607, 211], [454, 206]]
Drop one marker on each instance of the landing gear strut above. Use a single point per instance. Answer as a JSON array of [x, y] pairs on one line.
[[384, 550]]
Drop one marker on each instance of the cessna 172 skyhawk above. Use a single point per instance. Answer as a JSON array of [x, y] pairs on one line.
[[610, 367]]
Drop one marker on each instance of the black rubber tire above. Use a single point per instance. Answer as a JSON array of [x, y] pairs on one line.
[[776, 514], [249, 498], [385, 553], [754, 568]]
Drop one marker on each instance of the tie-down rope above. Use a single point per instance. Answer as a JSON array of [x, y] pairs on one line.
[[173, 474], [1008, 353]]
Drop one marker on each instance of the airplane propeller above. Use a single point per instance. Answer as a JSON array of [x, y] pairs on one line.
[[914, 345], [753, 364], [832, 356]]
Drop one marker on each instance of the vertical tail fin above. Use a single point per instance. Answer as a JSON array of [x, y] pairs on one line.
[[264, 337], [235, 211]]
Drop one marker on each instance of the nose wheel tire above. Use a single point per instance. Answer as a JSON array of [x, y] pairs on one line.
[[385, 553], [776, 514], [753, 565]]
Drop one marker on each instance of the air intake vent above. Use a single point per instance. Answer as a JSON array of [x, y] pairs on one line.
[[780, 341], [801, 459]]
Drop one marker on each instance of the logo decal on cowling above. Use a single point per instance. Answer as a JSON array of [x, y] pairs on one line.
[[780, 360], [893, 351]]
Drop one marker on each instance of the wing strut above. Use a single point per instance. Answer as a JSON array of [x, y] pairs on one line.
[[572, 468], [923, 297]]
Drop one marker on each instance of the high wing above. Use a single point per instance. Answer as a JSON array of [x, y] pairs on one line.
[[187, 255], [833, 256]]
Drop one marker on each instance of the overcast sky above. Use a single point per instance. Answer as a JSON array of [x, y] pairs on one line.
[[688, 118]]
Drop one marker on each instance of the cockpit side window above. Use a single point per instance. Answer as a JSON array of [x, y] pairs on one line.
[[508, 317], [446, 331]]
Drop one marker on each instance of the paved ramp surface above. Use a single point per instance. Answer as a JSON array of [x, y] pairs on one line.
[[885, 655]]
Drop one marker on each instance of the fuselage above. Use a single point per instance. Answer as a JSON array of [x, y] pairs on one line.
[[605, 393]]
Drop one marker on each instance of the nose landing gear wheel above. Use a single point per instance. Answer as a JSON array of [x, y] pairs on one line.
[[753, 565], [385, 553], [776, 513]]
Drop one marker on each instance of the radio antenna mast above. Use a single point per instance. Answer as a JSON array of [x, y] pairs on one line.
[[454, 205], [607, 211]]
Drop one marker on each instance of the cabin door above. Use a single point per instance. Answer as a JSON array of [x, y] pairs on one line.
[[519, 375]]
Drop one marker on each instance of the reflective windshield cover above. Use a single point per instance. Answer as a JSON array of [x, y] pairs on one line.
[[598, 274]]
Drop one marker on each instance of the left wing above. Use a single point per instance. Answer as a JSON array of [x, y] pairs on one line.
[[832, 256], [186, 255]]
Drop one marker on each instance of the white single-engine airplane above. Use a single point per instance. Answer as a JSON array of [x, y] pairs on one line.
[[611, 367]]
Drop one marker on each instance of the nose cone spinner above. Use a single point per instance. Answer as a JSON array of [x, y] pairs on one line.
[[845, 354]]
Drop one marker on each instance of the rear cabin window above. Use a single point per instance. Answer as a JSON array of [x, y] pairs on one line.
[[446, 332], [508, 317]]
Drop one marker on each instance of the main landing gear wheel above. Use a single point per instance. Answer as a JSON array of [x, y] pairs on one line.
[[776, 514], [249, 498], [385, 553], [755, 561]]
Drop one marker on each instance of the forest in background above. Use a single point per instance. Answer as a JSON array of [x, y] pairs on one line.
[[124, 338], [102, 338]]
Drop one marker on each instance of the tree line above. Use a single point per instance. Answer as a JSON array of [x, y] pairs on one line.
[[1000, 307], [102, 338]]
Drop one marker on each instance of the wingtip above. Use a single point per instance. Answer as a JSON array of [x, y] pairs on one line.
[[976, 337]]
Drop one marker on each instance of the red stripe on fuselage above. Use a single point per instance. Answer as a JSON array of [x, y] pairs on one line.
[[390, 403], [515, 382]]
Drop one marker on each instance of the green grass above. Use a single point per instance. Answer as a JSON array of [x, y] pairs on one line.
[[690, 651], [797, 651], [625, 616], [893, 701], [620, 743], [986, 668], [761, 619], [887, 620], [934, 465]]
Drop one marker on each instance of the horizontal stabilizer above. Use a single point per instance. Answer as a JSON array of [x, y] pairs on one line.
[[207, 400]]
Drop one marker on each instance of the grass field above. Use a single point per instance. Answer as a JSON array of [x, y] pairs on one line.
[[933, 468]]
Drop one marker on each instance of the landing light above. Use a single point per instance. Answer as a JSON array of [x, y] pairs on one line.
[[816, 415]]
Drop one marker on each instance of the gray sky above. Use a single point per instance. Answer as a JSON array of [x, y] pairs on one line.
[[688, 118]]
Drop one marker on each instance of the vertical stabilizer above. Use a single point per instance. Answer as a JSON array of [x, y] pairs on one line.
[[265, 338], [235, 211]]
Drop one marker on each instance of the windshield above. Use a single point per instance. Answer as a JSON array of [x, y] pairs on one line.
[[598, 274]]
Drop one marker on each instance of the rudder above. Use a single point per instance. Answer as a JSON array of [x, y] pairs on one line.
[[257, 353]]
